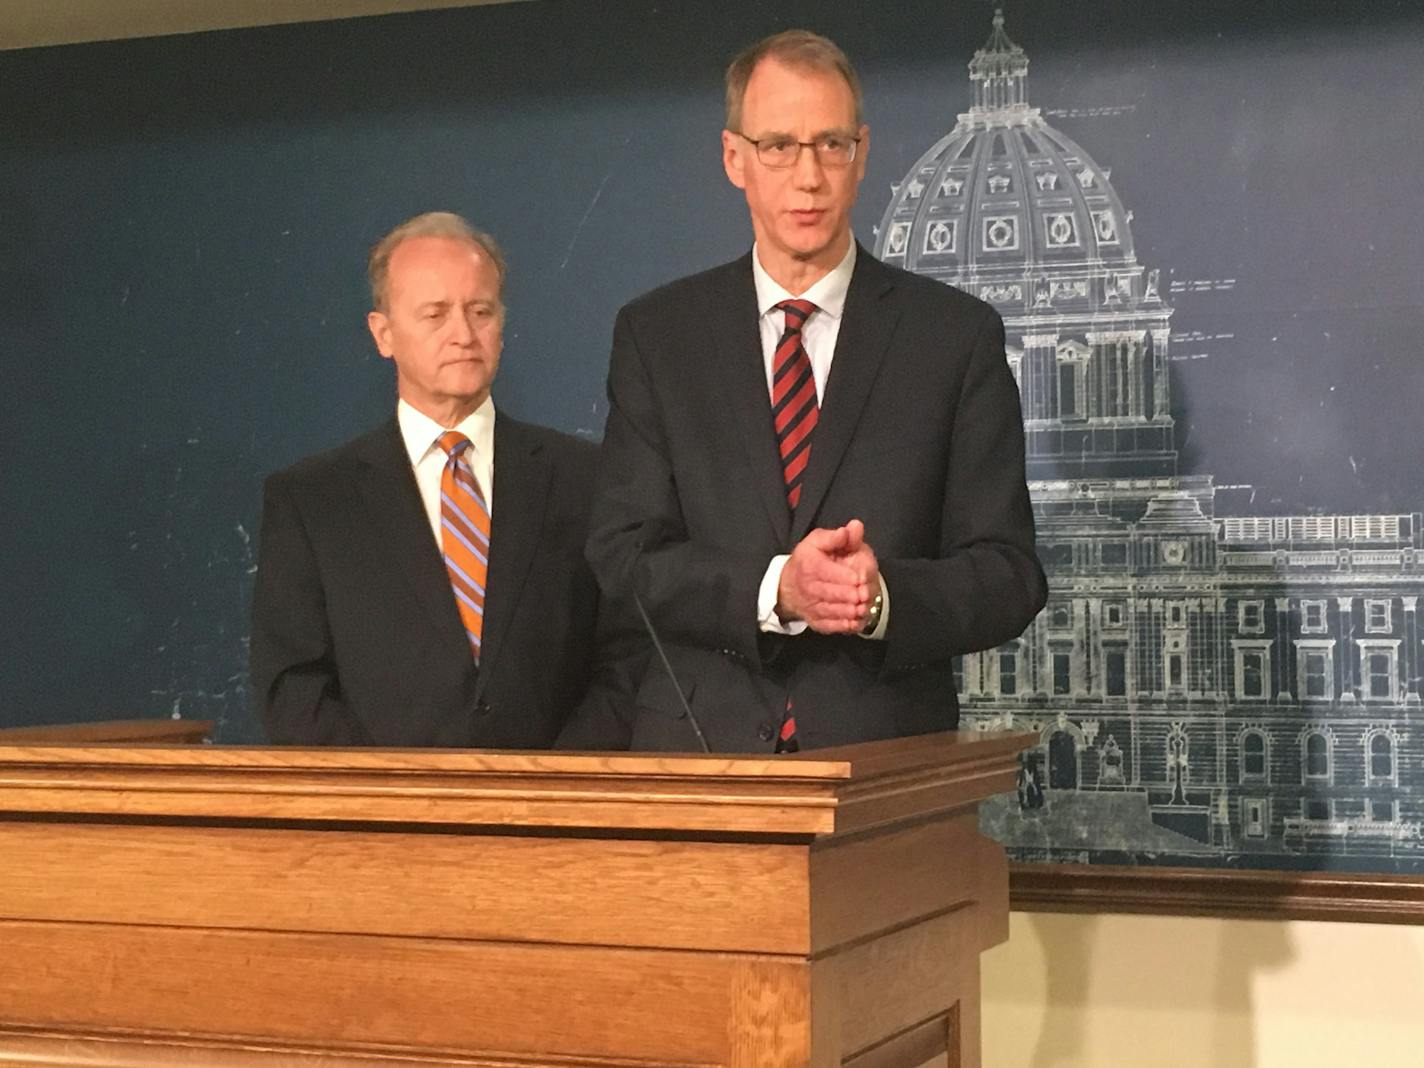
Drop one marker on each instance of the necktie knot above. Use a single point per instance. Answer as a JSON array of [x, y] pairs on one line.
[[454, 443], [797, 312]]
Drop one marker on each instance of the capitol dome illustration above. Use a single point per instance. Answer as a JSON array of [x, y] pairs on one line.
[[1204, 686], [1014, 211]]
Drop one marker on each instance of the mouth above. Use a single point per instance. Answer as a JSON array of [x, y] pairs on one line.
[[806, 216]]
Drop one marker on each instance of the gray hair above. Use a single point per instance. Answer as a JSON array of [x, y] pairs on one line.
[[444, 224], [795, 48]]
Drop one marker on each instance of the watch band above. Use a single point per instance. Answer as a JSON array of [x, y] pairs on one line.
[[872, 617]]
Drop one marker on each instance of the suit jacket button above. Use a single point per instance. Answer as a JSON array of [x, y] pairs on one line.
[[483, 709], [766, 732]]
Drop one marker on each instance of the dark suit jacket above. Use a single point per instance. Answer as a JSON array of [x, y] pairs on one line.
[[920, 436], [356, 639]]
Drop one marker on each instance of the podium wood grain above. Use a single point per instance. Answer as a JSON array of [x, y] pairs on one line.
[[210, 906]]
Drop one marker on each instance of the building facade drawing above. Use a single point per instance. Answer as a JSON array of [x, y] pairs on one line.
[[1211, 688]]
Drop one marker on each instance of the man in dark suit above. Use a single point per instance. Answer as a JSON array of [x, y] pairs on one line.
[[424, 584], [813, 465]]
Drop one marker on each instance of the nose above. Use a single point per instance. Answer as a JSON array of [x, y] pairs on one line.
[[464, 331], [807, 172]]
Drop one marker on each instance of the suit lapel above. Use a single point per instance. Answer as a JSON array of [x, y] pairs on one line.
[[521, 489], [867, 325], [392, 502], [741, 373]]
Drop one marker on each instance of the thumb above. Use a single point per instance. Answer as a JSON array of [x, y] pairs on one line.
[[855, 535], [828, 541]]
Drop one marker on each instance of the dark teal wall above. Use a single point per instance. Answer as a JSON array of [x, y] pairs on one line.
[[184, 221]]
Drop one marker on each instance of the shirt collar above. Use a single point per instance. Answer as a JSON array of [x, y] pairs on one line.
[[828, 294], [422, 433]]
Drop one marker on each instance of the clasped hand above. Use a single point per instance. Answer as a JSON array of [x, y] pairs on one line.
[[830, 581]]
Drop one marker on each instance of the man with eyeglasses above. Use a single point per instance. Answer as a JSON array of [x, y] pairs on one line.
[[813, 468]]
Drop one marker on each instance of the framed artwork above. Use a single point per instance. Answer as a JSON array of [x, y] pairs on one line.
[[1226, 680]]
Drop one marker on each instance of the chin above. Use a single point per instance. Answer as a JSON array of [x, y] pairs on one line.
[[468, 381], [806, 245]]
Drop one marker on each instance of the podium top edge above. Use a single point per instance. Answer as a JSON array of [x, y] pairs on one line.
[[810, 795], [866, 759]]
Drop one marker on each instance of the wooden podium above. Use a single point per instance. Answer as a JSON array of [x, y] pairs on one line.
[[167, 906]]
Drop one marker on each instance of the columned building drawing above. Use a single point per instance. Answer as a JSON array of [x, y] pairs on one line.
[[1236, 689]]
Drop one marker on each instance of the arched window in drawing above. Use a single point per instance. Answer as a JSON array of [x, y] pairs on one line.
[[1315, 756], [1379, 746], [1255, 756]]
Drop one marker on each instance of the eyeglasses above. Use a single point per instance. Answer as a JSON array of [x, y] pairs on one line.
[[832, 150]]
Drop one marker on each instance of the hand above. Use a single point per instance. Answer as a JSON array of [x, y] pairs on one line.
[[860, 557], [829, 580]]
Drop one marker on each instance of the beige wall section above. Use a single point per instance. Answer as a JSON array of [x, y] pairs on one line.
[[27, 23], [1170, 992]]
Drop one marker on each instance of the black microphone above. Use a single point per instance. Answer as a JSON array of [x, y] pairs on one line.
[[653, 634]]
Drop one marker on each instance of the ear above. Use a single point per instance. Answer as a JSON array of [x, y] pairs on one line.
[[734, 158], [862, 152], [380, 327]]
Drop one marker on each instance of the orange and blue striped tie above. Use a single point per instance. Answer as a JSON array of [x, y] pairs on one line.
[[464, 535], [794, 410]]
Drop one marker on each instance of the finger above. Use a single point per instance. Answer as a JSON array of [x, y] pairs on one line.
[[828, 625], [842, 611], [835, 593], [863, 564]]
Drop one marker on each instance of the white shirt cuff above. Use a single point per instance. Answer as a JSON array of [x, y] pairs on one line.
[[767, 619]]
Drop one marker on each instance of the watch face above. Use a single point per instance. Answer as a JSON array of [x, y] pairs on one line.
[[1174, 552]]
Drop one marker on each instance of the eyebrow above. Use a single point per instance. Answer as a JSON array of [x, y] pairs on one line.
[[839, 131], [477, 302]]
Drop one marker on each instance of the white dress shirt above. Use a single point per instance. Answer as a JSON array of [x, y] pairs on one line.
[[421, 435], [818, 337]]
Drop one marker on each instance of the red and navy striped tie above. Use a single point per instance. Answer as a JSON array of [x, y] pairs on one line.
[[794, 410], [464, 535]]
